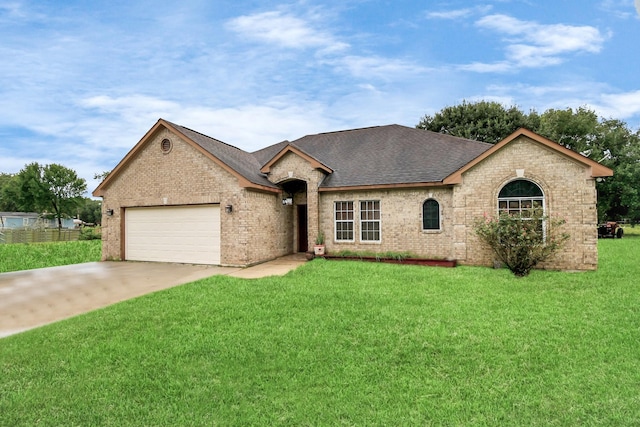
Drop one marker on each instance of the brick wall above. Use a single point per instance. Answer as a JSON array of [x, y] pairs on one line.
[[569, 193], [261, 228], [253, 232], [293, 167], [401, 221], [267, 226]]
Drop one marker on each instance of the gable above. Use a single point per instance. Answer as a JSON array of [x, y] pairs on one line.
[[592, 169], [290, 149], [236, 162], [153, 174]]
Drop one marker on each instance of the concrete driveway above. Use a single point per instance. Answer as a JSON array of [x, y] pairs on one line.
[[33, 298]]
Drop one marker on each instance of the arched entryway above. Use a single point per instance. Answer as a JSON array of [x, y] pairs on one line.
[[294, 193]]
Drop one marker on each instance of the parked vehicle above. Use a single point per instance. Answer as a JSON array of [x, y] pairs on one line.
[[610, 229]]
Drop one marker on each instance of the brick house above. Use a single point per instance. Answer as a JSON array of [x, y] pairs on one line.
[[181, 196]]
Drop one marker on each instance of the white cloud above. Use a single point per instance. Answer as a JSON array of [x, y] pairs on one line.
[[459, 13], [284, 30], [482, 67], [368, 67], [534, 45], [621, 105], [292, 32], [130, 106], [619, 8], [570, 94], [12, 11], [250, 126]]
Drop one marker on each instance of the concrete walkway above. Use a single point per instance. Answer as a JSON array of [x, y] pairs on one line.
[[277, 267], [33, 298]]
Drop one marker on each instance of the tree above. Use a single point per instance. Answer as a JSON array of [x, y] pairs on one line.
[[90, 211], [574, 130], [50, 188], [101, 176], [606, 141], [619, 149], [485, 121], [7, 201]]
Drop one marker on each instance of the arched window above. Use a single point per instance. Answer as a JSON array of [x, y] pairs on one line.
[[431, 215], [521, 197]]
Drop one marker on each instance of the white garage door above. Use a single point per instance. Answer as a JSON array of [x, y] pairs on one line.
[[184, 234]]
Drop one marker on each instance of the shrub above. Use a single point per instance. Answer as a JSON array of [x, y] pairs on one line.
[[521, 242], [90, 233]]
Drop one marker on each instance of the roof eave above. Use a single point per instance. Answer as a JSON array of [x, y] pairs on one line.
[[596, 170], [242, 180], [381, 186], [315, 163], [99, 191]]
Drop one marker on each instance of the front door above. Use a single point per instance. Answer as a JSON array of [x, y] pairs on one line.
[[303, 241]]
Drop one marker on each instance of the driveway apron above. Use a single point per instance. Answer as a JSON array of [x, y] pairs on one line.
[[36, 297]]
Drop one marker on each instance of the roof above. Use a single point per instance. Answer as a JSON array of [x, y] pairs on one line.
[[378, 156], [595, 168], [245, 164], [388, 155]]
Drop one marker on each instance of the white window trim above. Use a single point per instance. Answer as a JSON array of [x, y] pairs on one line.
[[519, 199], [335, 222], [379, 221]]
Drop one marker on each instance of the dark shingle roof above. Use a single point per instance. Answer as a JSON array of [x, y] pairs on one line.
[[246, 164], [390, 154], [263, 156], [380, 155]]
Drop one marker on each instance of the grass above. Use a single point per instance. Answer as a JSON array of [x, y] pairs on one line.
[[345, 343], [27, 256]]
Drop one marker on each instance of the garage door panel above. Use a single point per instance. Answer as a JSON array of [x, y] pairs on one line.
[[185, 234]]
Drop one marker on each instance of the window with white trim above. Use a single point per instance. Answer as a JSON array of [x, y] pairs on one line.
[[431, 215], [524, 199], [344, 218], [370, 220], [521, 197]]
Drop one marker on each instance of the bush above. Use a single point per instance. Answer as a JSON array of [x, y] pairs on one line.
[[90, 233], [521, 242]]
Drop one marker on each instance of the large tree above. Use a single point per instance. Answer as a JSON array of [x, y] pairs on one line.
[[607, 141], [486, 121], [48, 188]]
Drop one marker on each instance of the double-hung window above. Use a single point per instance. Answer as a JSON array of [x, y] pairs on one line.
[[370, 220], [344, 218]]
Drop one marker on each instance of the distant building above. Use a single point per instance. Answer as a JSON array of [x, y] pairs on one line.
[[13, 220]]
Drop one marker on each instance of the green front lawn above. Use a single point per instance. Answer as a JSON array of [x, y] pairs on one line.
[[345, 343], [27, 256]]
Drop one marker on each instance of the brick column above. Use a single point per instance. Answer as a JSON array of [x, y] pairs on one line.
[[313, 212]]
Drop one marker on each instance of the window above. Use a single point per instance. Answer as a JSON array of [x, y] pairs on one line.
[[370, 221], [166, 146], [520, 197], [343, 217], [431, 215]]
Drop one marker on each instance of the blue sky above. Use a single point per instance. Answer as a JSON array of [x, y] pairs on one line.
[[81, 82]]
